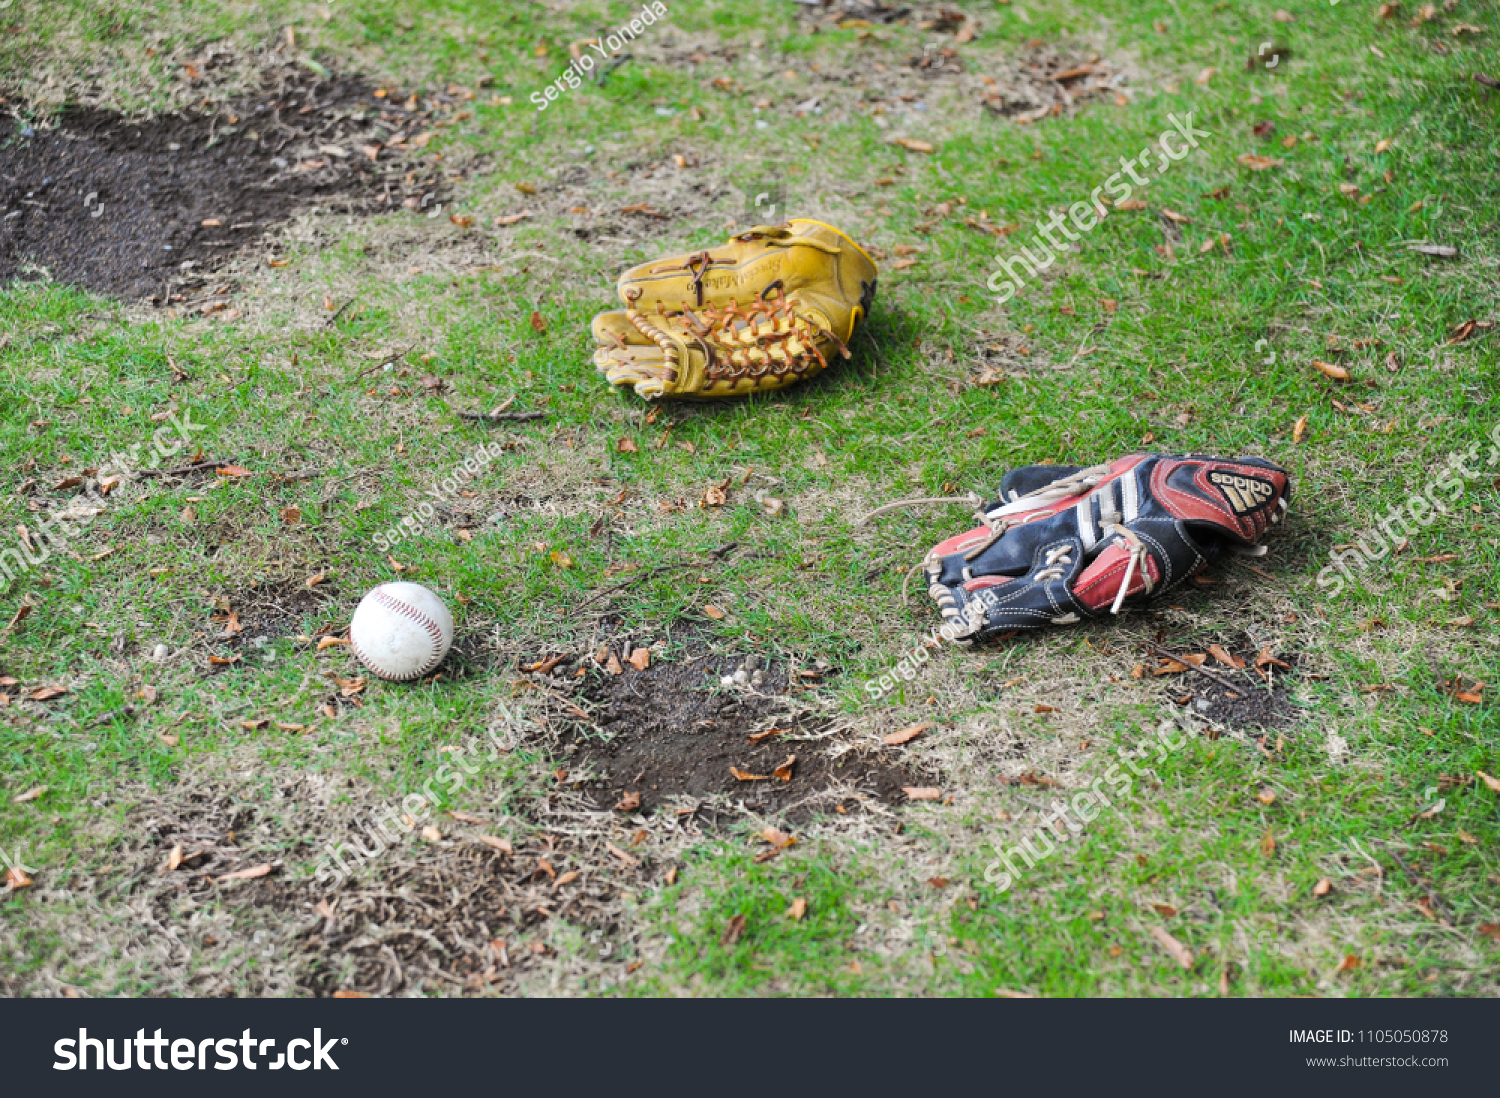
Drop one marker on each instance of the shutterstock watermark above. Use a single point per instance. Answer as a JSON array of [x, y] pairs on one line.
[[75, 1054], [54, 530], [1008, 279], [386, 826], [1418, 510], [414, 524], [1086, 805]]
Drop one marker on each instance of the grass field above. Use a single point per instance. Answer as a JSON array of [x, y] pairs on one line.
[[1348, 849]]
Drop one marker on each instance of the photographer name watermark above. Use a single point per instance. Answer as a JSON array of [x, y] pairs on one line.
[[414, 524], [572, 77]]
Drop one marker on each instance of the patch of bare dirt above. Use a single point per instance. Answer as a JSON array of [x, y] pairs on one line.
[[271, 610], [149, 208], [1254, 697], [665, 731]]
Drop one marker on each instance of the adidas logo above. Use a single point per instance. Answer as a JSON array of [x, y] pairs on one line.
[[1244, 493]]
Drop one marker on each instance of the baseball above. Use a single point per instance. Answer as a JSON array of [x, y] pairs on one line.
[[401, 631]]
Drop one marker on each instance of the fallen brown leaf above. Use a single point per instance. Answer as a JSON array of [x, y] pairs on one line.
[[1226, 658], [1323, 887], [1256, 162], [1331, 370], [640, 659], [37, 790], [906, 735], [1264, 659], [784, 771], [922, 792], [1493, 783], [797, 910], [629, 802], [745, 776], [502, 845], [247, 874], [1180, 953], [779, 839], [1267, 844], [733, 932], [16, 879]]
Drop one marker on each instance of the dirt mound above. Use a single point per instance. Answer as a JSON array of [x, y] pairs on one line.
[[1254, 697], [673, 733], [142, 208]]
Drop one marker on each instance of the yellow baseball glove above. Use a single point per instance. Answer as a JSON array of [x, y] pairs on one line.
[[767, 309]]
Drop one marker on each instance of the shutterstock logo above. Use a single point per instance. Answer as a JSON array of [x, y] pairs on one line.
[[186, 1055]]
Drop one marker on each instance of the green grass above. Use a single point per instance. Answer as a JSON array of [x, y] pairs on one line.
[[1179, 361]]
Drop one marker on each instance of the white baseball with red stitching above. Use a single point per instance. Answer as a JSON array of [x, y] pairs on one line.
[[401, 631]]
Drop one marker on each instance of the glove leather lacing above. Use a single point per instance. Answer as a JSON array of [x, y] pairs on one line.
[[1137, 562], [767, 336]]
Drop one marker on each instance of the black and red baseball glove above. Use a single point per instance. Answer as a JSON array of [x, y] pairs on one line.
[[1065, 543]]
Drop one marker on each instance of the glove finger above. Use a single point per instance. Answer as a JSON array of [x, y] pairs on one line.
[[642, 368], [613, 329], [1026, 479]]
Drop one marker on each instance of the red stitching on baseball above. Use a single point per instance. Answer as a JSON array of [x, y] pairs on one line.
[[405, 609]]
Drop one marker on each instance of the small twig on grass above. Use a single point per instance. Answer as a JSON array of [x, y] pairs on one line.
[[597, 595], [1234, 688], [1437, 901], [614, 63], [181, 470], [501, 417], [123, 713], [1257, 571], [344, 306], [383, 363], [714, 554]]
